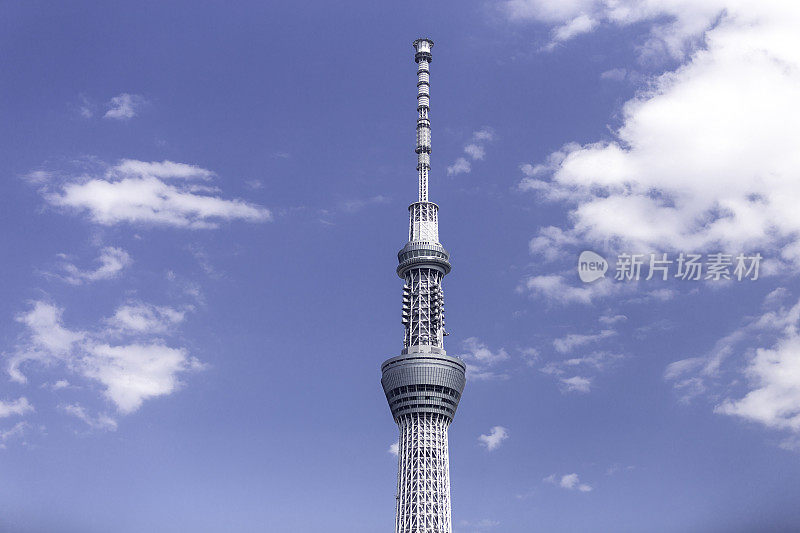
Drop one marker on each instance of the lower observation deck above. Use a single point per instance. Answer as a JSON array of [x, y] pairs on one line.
[[423, 382]]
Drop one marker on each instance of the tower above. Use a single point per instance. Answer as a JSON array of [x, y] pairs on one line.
[[423, 384]]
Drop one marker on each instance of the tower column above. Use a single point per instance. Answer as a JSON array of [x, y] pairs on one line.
[[423, 481], [423, 385]]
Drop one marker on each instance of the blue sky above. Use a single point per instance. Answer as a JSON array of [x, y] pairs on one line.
[[201, 210]]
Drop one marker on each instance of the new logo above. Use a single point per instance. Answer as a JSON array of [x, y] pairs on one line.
[[591, 266]]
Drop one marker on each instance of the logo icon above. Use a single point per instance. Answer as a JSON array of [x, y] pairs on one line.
[[591, 266]]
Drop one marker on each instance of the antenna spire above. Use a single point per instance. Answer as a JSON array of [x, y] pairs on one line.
[[423, 58]]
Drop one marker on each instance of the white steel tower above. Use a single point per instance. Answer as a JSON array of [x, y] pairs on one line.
[[423, 384]]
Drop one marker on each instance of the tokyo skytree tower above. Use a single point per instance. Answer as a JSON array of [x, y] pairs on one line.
[[423, 385]]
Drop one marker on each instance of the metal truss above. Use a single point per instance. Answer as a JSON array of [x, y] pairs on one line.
[[423, 307], [423, 481]]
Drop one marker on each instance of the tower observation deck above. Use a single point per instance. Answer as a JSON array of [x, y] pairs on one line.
[[423, 385]]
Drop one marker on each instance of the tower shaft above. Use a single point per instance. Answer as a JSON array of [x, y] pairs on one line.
[[423, 481], [423, 385]]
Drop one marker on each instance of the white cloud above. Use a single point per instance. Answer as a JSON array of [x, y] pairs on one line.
[[773, 374], [674, 24], [614, 74], [16, 431], [60, 384], [573, 340], [475, 151], [594, 362], [494, 439], [47, 339], [578, 25], [791, 444], [138, 317], [86, 108], [576, 384], [38, 177], [101, 421], [774, 396], [481, 360], [610, 320], [769, 393], [20, 406], [480, 352], [662, 295], [706, 156], [354, 205], [550, 243], [484, 134], [123, 106], [530, 355], [460, 166], [555, 289], [479, 525], [112, 262], [141, 368], [159, 193], [394, 448], [569, 482], [161, 170], [135, 372]]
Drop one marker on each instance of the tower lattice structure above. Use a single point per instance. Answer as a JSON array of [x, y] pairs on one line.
[[423, 385]]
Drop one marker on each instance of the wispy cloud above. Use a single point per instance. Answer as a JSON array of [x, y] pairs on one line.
[[124, 106], [481, 360], [86, 107], [676, 26], [494, 438], [459, 166], [156, 193], [611, 319], [576, 384], [596, 360], [752, 373], [576, 374], [483, 524], [139, 368], [568, 482], [101, 421], [17, 431], [112, 262], [614, 74], [551, 242], [555, 289], [20, 407], [354, 205], [475, 150], [573, 340], [143, 318]]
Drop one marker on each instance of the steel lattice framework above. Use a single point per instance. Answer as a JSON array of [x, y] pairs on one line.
[[423, 385], [423, 488]]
